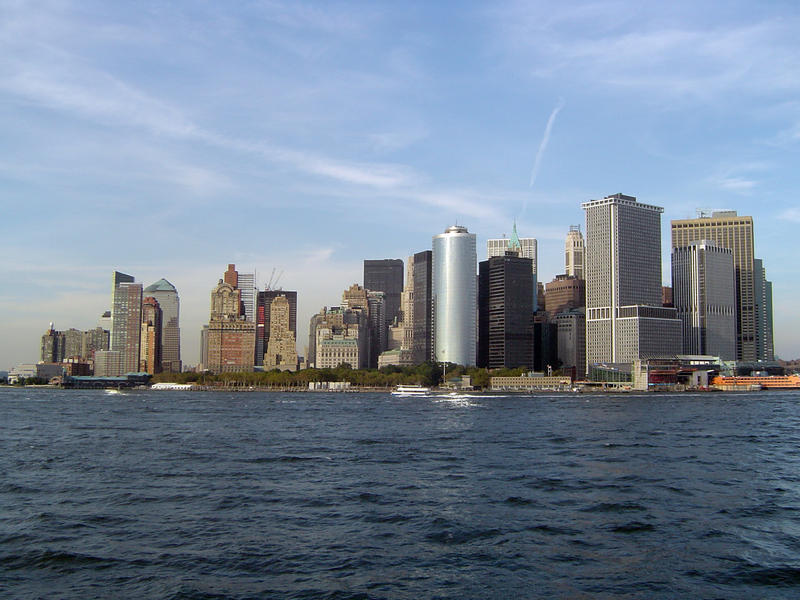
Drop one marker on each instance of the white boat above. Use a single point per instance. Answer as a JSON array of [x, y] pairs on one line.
[[411, 390]]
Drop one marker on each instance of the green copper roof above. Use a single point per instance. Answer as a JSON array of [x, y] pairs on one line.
[[162, 285], [513, 243]]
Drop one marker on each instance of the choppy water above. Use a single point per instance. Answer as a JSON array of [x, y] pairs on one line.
[[192, 495]]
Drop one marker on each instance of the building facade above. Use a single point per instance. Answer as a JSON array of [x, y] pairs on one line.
[[263, 318], [150, 338], [505, 312], [571, 341], [704, 296], [565, 292], [386, 275], [281, 350], [422, 320], [573, 252], [126, 321], [167, 297], [454, 296], [231, 338], [763, 312], [729, 230], [526, 247], [625, 319]]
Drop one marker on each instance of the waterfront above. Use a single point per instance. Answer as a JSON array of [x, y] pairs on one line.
[[186, 495]]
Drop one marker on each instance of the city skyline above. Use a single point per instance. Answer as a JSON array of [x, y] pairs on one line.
[[291, 124]]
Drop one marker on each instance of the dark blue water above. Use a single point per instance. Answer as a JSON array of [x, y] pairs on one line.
[[250, 495]]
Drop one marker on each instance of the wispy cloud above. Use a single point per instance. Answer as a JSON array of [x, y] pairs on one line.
[[647, 51], [545, 140], [791, 214]]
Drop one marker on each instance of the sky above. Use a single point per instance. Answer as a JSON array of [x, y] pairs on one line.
[[168, 139]]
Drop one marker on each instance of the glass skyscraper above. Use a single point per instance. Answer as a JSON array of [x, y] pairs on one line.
[[454, 296]]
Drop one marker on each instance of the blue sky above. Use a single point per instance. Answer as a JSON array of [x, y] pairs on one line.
[[169, 139]]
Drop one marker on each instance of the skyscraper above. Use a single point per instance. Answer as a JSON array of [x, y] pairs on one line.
[[150, 338], [505, 312], [167, 297], [248, 291], [386, 275], [454, 296], [573, 252], [263, 318], [126, 321], [729, 230], [281, 352], [526, 247], [704, 295], [231, 337], [763, 312], [624, 316], [422, 337]]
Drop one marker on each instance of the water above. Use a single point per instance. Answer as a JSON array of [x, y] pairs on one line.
[[250, 495]]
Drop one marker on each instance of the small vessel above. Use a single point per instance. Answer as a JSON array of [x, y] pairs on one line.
[[411, 390]]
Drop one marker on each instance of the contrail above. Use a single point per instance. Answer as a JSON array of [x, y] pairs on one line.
[[545, 140]]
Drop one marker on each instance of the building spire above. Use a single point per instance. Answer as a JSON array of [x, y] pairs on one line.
[[514, 243]]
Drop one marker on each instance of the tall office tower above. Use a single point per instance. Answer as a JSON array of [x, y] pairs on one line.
[[248, 291], [357, 298], [573, 252], [565, 292], [527, 248], [505, 312], [73, 343], [454, 296], [150, 344], [378, 325], [126, 320], [94, 340], [104, 322], [625, 320], [167, 297], [728, 230], [704, 294], [406, 324], [763, 295], [281, 350], [231, 337], [422, 337], [386, 275], [263, 307], [52, 347]]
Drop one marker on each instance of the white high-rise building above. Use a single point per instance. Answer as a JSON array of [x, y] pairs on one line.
[[454, 287], [126, 321], [704, 294], [248, 291], [625, 319], [573, 252]]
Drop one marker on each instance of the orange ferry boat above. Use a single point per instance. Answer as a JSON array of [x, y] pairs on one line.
[[768, 382]]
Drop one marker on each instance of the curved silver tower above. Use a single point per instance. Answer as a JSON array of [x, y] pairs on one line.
[[454, 286]]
